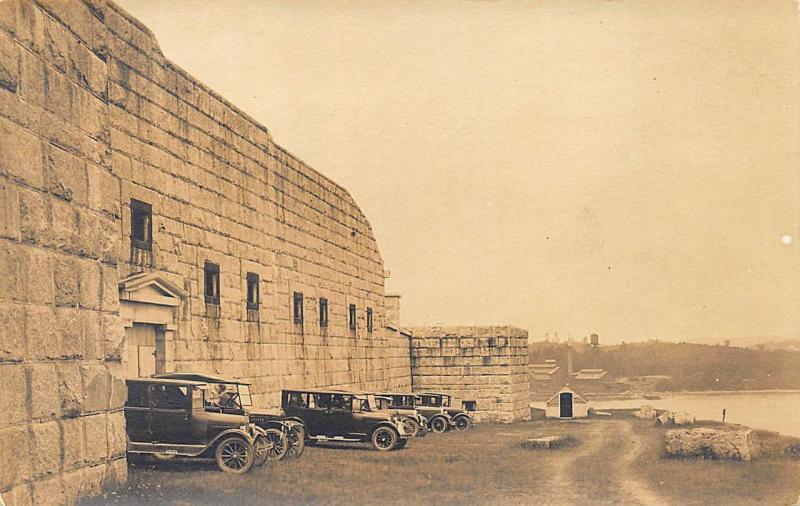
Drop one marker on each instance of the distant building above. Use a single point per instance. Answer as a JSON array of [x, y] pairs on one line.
[[545, 371], [590, 374]]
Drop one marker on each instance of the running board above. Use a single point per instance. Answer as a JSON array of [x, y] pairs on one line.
[[335, 438], [168, 449]]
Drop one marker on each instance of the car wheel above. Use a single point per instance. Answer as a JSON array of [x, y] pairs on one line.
[[462, 423], [234, 455], [384, 439], [271, 446], [411, 427], [438, 425], [297, 441], [402, 443]]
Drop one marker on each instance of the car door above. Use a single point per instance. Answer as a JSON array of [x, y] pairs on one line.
[[170, 418], [338, 418], [137, 412]]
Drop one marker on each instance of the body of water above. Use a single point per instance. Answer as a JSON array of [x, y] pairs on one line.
[[775, 411]]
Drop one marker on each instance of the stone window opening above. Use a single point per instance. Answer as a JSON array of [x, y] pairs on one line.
[[211, 271], [141, 233], [141, 225], [369, 320], [323, 312], [253, 296], [351, 317], [297, 308], [468, 405]]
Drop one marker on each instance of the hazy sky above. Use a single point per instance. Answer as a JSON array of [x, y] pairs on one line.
[[619, 167]]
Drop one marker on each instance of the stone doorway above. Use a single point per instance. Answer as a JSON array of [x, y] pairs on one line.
[[146, 347], [149, 306]]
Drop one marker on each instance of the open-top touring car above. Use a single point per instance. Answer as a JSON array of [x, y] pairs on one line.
[[167, 418], [233, 397]]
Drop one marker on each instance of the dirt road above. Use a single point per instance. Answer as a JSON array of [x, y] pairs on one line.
[[600, 470]]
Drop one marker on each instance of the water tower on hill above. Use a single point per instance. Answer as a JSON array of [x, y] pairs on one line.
[[594, 340]]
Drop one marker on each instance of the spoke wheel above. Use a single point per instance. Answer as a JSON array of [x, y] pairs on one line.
[[438, 425], [271, 446], [411, 426], [297, 441], [234, 455], [384, 439], [462, 423]]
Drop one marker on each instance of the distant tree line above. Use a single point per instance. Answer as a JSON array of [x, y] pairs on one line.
[[689, 366]]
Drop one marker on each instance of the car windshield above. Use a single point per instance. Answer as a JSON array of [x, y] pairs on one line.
[[446, 401], [244, 393], [223, 396]]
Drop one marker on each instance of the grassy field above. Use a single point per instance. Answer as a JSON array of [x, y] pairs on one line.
[[615, 461]]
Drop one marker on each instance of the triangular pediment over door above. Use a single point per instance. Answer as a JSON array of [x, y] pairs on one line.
[[151, 288]]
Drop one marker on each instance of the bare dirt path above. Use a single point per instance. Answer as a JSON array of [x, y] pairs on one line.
[[600, 470], [637, 489]]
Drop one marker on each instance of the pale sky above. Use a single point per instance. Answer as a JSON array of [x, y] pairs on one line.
[[619, 167]]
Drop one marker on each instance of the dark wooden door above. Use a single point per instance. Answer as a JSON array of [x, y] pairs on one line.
[[565, 401]]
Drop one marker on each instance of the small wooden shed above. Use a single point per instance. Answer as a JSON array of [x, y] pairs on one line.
[[566, 403]]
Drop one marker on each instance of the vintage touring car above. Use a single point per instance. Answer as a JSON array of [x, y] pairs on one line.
[[236, 399], [441, 415], [168, 418], [403, 404]]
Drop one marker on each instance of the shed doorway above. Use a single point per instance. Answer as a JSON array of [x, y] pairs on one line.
[[565, 402]]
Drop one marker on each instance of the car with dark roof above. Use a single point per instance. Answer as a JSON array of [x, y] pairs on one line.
[[236, 398], [339, 415], [404, 404], [436, 406], [166, 418]]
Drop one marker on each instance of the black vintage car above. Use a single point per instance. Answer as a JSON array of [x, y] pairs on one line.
[[236, 399], [436, 407], [334, 415], [167, 418]]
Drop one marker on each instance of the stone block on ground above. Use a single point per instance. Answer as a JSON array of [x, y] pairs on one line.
[[550, 442], [711, 443]]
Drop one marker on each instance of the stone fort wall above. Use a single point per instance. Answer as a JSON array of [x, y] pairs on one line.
[[92, 115], [486, 365]]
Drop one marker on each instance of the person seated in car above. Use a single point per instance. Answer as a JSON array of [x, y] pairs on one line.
[[220, 397]]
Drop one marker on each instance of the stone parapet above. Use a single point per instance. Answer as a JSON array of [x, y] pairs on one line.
[[480, 366]]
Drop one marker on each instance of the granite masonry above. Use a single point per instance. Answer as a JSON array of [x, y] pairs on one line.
[[484, 368], [147, 225]]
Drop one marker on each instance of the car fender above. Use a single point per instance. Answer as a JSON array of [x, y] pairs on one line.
[[462, 415], [237, 432], [400, 432]]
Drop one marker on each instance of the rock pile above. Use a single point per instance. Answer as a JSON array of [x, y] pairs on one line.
[[711, 443]]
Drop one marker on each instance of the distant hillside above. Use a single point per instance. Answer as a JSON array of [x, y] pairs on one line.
[[761, 343], [689, 366]]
